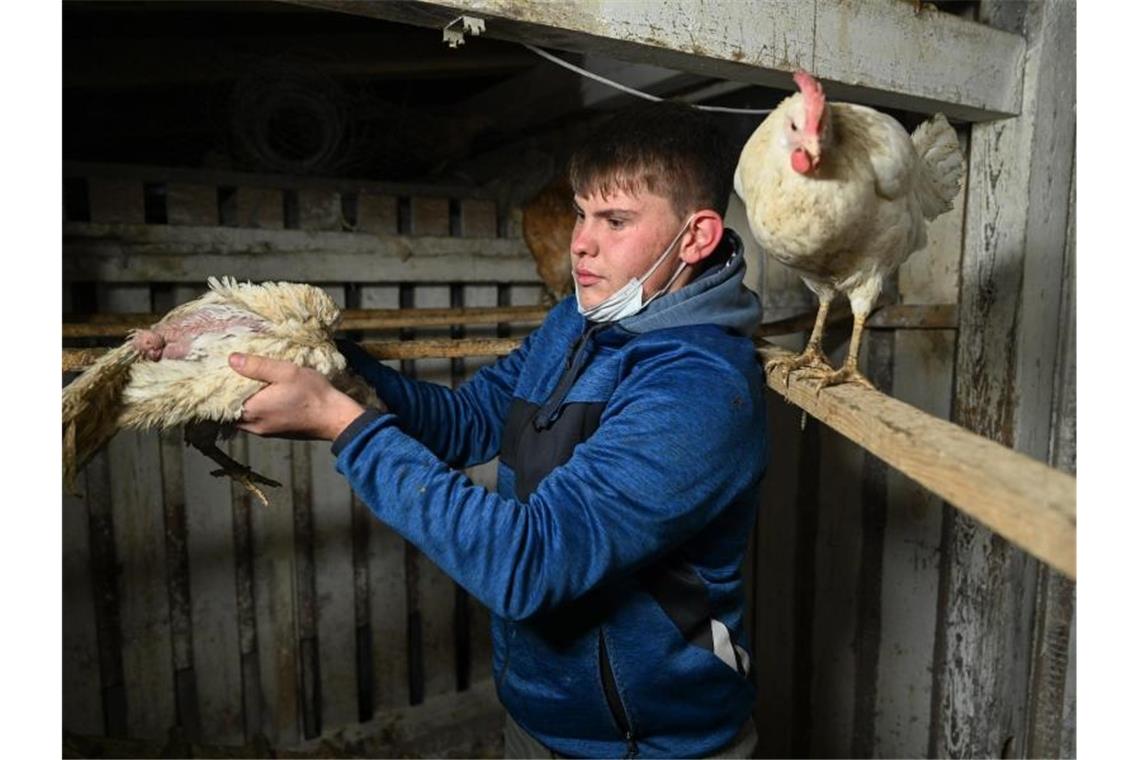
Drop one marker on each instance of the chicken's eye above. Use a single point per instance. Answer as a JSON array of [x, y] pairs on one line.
[[794, 127]]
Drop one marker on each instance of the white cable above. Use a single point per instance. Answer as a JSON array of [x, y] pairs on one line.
[[638, 93]]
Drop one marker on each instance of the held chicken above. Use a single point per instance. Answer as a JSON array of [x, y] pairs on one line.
[[177, 372], [842, 194]]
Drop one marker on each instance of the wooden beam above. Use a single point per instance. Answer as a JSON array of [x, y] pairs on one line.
[[140, 173], [100, 325], [926, 61], [159, 253], [893, 317], [1027, 502]]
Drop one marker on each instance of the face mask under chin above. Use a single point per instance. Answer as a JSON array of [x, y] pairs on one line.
[[627, 301]]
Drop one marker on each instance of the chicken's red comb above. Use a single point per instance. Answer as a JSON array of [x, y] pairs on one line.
[[814, 100]]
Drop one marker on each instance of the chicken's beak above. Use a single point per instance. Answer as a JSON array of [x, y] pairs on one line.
[[811, 147]]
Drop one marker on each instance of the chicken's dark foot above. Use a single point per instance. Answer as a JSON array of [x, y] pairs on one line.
[[811, 360], [202, 435], [248, 478], [845, 374]]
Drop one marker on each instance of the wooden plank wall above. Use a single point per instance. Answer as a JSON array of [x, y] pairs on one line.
[[192, 613]]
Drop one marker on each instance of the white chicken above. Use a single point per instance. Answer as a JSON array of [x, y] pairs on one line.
[[177, 372], [841, 194]]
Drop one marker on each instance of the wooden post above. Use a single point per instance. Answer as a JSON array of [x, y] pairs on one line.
[[1019, 175]]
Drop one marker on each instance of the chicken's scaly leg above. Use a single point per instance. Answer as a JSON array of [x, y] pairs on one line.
[[812, 357], [203, 436], [849, 372]]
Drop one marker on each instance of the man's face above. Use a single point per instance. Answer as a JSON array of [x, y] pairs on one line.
[[617, 238]]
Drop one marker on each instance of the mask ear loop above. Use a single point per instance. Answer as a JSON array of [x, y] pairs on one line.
[[676, 274]]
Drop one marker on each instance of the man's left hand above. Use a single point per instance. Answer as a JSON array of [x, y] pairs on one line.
[[298, 402]]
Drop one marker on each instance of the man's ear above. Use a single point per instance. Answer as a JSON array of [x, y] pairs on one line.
[[705, 232]]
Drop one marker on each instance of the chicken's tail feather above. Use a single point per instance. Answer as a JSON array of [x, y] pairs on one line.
[[91, 405], [942, 162]]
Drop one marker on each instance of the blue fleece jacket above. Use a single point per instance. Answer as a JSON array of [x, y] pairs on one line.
[[610, 554]]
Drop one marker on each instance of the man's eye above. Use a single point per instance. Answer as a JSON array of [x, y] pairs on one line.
[[616, 224]]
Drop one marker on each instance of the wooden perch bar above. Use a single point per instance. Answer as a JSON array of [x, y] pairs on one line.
[[898, 316], [117, 325], [1028, 503]]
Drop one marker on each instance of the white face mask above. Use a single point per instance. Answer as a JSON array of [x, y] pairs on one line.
[[626, 301]]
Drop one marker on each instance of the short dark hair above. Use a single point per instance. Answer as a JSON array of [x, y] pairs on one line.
[[668, 148]]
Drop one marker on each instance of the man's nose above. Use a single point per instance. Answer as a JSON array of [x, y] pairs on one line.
[[582, 242]]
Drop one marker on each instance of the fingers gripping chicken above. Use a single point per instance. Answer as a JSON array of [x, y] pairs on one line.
[[842, 194], [177, 373]]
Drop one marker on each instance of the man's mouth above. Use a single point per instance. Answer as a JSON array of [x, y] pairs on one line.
[[585, 277]]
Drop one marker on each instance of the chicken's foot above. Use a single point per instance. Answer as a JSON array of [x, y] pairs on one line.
[[230, 467], [812, 358], [849, 372]]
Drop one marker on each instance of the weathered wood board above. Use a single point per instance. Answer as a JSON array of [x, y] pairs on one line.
[[967, 70], [139, 530]]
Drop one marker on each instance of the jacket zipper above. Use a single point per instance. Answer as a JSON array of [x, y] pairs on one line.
[[613, 699], [576, 358]]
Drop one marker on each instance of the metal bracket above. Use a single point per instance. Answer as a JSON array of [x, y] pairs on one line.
[[469, 24]]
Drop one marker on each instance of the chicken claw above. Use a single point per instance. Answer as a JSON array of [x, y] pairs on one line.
[[845, 374], [811, 360], [248, 478]]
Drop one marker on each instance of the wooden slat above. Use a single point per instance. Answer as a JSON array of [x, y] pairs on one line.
[[486, 475], [191, 204], [1019, 175], [430, 217], [164, 253], [261, 208], [214, 609], [835, 619], [136, 504], [275, 592], [117, 325], [115, 201], [436, 591], [333, 563], [319, 209], [178, 581], [779, 587], [82, 700], [387, 586], [1025, 501], [477, 219], [222, 177], [923, 375], [967, 70], [376, 214], [105, 592]]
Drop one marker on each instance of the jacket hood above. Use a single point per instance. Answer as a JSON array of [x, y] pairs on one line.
[[717, 296]]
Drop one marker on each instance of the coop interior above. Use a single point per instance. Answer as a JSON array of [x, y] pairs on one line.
[[356, 150]]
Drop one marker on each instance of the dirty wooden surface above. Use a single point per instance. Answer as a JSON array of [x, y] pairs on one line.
[[1020, 172], [966, 70]]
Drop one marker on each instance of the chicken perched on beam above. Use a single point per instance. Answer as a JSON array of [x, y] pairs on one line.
[[177, 372], [842, 194]]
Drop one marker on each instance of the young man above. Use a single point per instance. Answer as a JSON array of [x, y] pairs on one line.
[[631, 433]]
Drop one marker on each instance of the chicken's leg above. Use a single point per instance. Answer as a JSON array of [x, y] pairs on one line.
[[849, 372], [812, 357], [203, 436]]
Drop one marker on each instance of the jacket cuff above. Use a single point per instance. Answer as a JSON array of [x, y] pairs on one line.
[[354, 428]]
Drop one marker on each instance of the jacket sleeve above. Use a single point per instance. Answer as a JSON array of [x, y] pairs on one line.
[[663, 463], [462, 427]]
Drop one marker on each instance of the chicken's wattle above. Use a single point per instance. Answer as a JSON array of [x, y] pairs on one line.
[[801, 161]]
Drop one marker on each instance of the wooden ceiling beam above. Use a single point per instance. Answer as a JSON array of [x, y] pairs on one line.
[[879, 52]]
